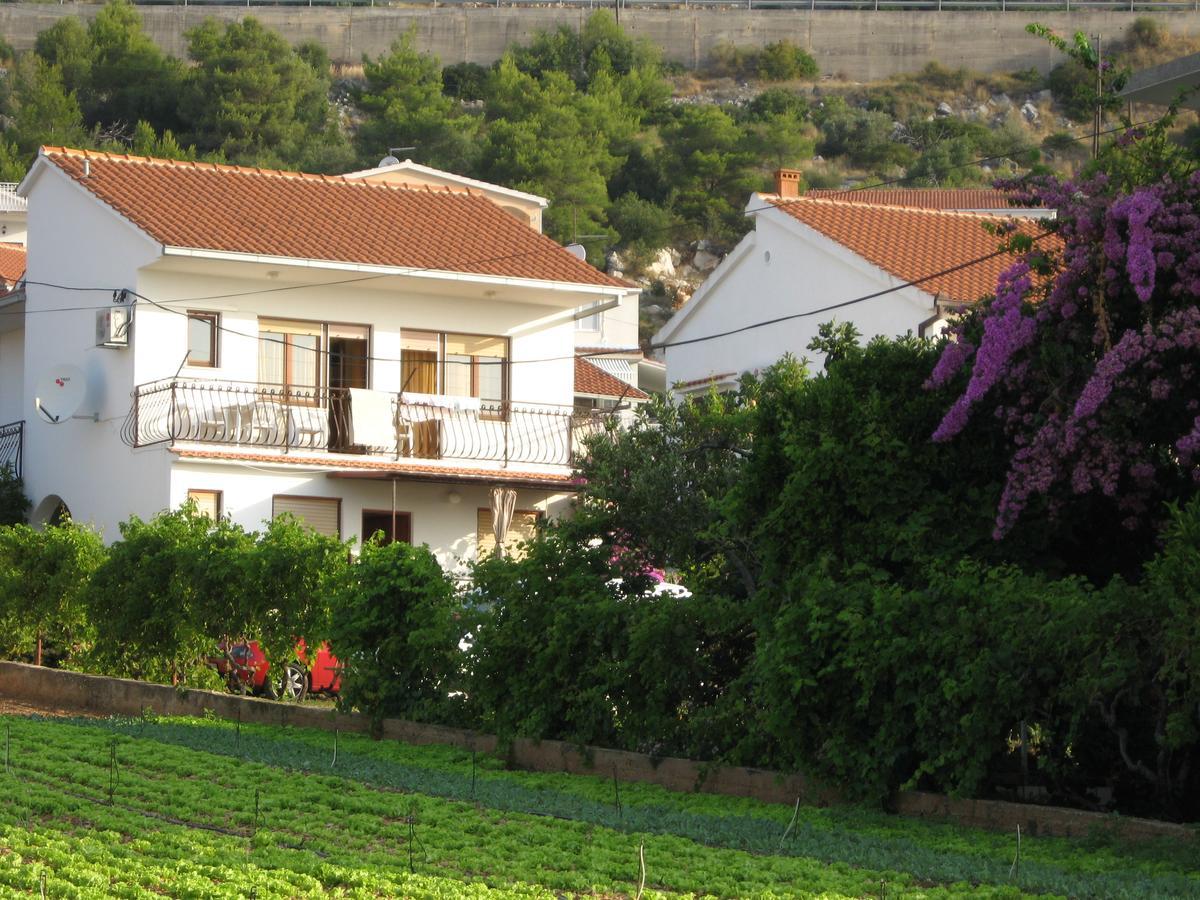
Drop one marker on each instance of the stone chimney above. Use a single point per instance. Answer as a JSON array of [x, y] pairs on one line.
[[787, 182]]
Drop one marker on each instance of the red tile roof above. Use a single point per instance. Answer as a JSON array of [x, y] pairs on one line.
[[361, 466], [12, 263], [592, 380], [920, 198], [327, 217], [917, 245]]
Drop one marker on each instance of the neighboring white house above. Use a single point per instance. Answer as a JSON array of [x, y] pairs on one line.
[[362, 355], [806, 257]]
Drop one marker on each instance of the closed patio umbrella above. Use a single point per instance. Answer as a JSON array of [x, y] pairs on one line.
[[504, 503]]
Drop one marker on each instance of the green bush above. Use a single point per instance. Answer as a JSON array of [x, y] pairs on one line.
[[167, 592], [643, 225], [568, 652], [14, 505], [396, 631], [43, 575], [784, 61]]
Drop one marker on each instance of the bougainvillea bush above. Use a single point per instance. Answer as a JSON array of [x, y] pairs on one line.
[[1089, 356]]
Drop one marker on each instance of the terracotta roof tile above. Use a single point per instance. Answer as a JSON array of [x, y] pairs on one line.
[[12, 263], [920, 198], [343, 467], [327, 217], [917, 244], [591, 379]]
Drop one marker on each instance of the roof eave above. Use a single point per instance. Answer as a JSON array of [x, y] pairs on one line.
[[403, 271]]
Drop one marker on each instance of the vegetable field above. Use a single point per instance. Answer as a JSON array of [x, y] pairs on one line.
[[204, 808]]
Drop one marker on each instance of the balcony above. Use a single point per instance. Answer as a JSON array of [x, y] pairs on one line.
[[11, 440], [355, 422]]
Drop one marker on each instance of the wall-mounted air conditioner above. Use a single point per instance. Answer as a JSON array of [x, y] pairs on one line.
[[112, 327]]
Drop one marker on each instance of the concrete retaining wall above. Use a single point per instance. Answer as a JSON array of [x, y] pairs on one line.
[[859, 45], [57, 689]]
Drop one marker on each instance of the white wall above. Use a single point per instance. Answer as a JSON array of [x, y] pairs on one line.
[[13, 227], [12, 374], [618, 327], [448, 528], [779, 271], [74, 242]]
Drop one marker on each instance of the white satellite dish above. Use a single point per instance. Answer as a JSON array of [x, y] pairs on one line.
[[388, 161], [577, 250], [59, 393]]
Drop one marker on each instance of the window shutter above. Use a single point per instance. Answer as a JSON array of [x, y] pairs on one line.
[[522, 529], [322, 514]]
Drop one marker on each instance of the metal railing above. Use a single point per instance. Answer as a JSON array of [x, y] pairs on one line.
[[12, 439], [344, 421]]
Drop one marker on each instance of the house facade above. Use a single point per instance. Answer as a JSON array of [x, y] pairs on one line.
[[894, 263], [361, 354]]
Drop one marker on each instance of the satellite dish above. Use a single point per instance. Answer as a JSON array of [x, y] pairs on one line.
[[577, 250], [388, 161], [59, 393]]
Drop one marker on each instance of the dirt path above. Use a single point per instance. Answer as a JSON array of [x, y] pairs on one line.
[[9, 707]]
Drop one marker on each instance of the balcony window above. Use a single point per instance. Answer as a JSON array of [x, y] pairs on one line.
[[455, 365], [289, 353], [202, 338]]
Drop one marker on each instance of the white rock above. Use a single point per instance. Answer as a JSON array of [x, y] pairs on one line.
[[705, 261], [1030, 112], [944, 109], [662, 266]]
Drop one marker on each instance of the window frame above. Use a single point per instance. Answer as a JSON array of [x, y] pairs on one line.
[[214, 342], [218, 499], [401, 515], [442, 362]]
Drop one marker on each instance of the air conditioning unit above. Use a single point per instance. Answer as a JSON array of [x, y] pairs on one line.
[[112, 327]]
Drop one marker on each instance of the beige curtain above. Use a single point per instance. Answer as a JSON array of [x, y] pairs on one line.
[[504, 503]]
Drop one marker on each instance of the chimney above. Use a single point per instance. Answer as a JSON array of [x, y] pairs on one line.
[[787, 182]]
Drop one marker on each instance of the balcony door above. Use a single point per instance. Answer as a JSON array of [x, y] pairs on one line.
[[349, 358]]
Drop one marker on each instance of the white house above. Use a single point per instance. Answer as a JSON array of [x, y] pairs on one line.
[[813, 259], [363, 355]]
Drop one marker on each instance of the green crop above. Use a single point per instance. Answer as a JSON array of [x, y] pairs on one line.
[[207, 808]]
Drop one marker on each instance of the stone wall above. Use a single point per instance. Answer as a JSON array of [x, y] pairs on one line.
[[57, 689], [859, 45]]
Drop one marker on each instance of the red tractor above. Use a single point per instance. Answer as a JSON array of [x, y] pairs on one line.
[[246, 671]]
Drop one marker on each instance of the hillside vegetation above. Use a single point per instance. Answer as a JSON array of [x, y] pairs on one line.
[[631, 152]]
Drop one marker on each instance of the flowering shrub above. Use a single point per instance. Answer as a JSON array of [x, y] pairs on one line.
[[1092, 370]]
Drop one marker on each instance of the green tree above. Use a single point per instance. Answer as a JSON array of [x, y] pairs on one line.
[[251, 97], [43, 577], [708, 164], [641, 224], [43, 111], [407, 107], [131, 79]]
